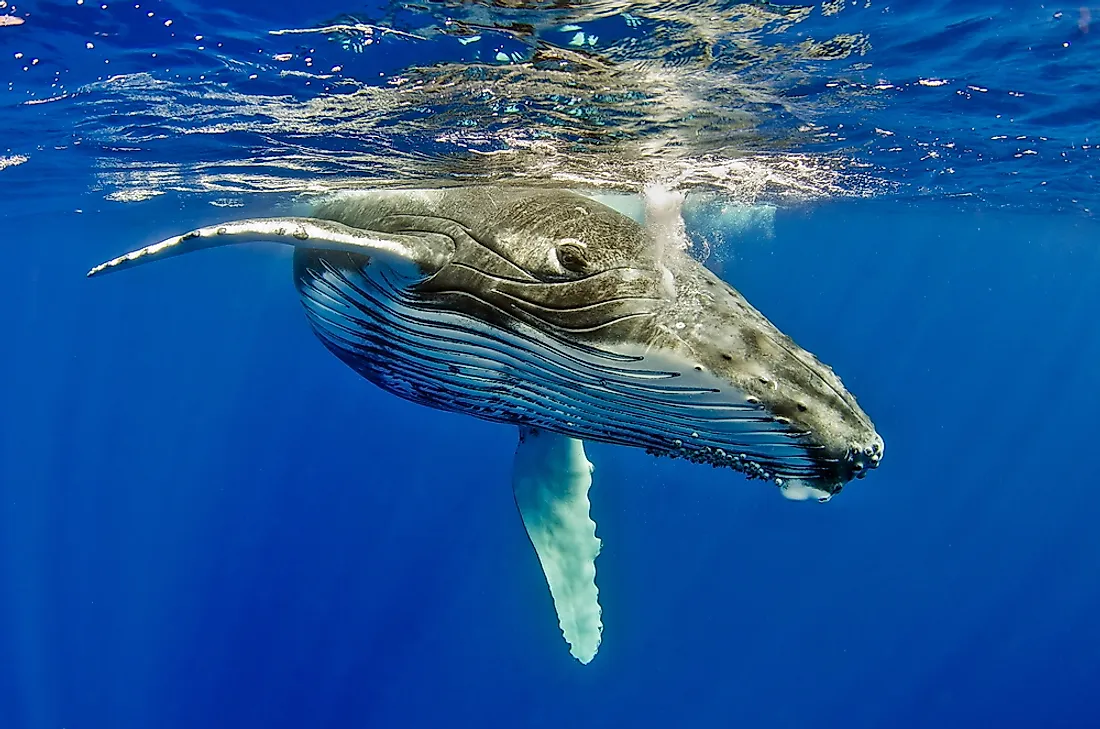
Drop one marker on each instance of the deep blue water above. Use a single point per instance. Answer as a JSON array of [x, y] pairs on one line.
[[206, 520]]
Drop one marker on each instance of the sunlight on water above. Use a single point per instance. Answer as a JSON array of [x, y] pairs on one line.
[[762, 102]]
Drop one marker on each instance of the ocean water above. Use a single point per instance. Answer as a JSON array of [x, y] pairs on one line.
[[206, 520]]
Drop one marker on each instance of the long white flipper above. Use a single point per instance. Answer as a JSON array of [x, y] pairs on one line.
[[412, 254], [551, 481]]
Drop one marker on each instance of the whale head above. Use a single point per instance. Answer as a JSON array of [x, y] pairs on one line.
[[549, 309]]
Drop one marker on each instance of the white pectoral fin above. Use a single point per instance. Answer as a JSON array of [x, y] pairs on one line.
[[416, 254], [551, 481]]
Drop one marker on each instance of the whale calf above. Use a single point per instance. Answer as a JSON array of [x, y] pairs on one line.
[[550, 311]]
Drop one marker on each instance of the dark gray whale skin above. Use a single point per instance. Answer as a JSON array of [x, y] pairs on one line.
[[573, 282]]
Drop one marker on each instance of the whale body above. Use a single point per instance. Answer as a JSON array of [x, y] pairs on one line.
[[550, 311]]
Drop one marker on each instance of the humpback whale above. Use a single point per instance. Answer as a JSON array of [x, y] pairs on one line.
[[551, 311]]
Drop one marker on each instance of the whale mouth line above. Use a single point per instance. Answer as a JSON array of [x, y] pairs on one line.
[[537, 284], [586, 307], [458, 231]]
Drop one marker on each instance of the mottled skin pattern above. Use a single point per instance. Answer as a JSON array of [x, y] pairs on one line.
[[577, 270]]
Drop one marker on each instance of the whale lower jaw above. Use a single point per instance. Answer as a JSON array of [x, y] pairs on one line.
[[519, 375]]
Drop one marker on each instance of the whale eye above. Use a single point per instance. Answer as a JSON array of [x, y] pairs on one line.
[[572, 257]]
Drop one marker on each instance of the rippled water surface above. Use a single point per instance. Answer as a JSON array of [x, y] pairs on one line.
[[761, 101], [208, 521]]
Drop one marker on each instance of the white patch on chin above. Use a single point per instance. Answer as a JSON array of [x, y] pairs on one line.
[[795, 490]]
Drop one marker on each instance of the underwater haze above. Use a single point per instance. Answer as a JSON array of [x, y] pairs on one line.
[[207, 520]]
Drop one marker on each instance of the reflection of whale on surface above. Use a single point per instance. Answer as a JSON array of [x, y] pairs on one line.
[[553, 312]]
